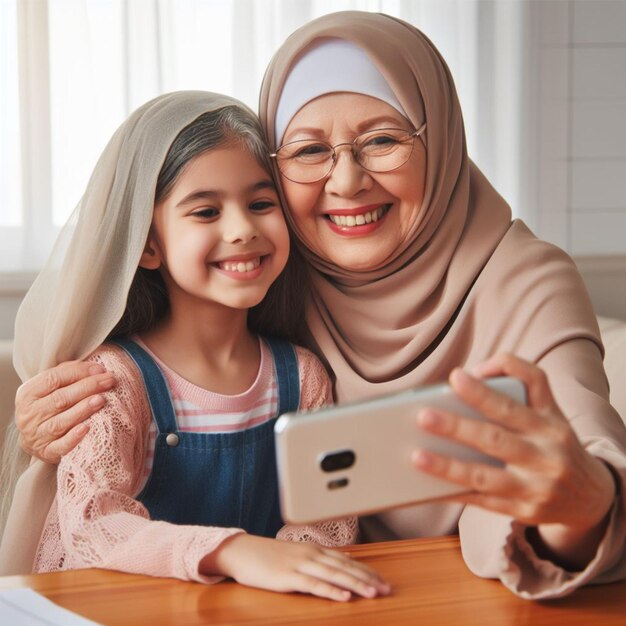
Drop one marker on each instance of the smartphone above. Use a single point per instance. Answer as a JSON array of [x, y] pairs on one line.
[[355, 458]]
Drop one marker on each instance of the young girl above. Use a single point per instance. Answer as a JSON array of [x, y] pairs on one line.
[[179, 233]]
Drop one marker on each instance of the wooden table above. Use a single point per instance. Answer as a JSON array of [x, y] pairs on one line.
[[432, 587]]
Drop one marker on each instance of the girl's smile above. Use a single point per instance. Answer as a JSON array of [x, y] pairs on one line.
[[243, 267], [219, 237]]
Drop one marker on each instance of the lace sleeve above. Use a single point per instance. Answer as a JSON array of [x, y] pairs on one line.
[[315, 392], [315, 386], [333, 533], [95, 521]]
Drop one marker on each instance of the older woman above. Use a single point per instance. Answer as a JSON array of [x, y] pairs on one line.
[[417, 271]]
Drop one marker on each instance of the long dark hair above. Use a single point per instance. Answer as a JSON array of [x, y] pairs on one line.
[[281, 313]]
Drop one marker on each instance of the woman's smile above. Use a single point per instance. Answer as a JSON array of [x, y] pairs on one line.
[[359, 221], [355, 218]]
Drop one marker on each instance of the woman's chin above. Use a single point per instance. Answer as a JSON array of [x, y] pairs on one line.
[[356, 262], [358, 254]]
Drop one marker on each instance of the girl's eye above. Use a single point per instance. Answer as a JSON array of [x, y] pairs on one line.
[[262, 205], [206, 213]]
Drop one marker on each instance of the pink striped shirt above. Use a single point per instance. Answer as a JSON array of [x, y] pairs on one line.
[[199, 410], [95, 520]]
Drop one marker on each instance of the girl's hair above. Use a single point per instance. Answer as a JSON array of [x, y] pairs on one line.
[[281, 312]]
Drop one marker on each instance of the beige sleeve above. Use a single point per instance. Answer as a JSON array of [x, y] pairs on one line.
[[494, 546]]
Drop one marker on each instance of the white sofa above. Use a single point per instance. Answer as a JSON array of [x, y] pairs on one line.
[[613, 335], [614, 339]]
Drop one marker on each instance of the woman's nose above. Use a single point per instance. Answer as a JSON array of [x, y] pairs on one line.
[[238, 226], [348, 178]]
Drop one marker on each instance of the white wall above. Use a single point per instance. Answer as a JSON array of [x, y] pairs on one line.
[[577, 145], [12, 290], [582, 126]]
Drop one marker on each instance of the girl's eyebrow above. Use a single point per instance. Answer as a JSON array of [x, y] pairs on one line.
[[212, 194]]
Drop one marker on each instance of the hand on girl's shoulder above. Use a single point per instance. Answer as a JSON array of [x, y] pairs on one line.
[[315, 383], [128, 397], [116, 361]]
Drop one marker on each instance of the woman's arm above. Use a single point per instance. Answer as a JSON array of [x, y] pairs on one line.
[[51, 408], [561, 519], [549, 480]]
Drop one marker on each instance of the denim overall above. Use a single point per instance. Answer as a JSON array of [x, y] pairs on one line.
[[215, 479]]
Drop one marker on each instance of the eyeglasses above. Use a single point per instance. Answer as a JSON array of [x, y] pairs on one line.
[[379, 150]]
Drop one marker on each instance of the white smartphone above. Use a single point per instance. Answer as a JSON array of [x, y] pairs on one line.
[[355, 458]]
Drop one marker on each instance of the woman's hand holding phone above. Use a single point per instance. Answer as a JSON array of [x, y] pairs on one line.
[[547, 480]]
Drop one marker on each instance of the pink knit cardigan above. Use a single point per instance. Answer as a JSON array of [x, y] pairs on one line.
[[95, 520]]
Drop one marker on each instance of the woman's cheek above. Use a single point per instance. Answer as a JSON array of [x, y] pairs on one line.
[[301, 201]]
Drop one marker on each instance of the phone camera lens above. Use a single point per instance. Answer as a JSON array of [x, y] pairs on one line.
[[334, 461]]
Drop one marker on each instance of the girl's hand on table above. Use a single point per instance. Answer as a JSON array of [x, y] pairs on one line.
[[548, 479], [285, 566], [51, 407]]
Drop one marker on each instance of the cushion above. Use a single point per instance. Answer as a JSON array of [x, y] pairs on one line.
[[614, 339]]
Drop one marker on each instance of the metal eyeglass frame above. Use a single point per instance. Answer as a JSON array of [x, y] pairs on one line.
[[413, 135]]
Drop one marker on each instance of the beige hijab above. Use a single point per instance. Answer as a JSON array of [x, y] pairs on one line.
[[81, 293], [466, 282]]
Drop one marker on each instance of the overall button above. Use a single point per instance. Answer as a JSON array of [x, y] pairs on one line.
[[172, 440]]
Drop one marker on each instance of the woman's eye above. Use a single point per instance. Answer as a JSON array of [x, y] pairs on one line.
[[380, 140], [312, 151], [206, 213]]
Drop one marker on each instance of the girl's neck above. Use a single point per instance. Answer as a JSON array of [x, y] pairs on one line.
[[209, 346]]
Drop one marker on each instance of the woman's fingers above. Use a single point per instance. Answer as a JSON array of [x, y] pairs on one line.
[[534, 378], [55, 436], [492, 439], [57, 377], [60, 424], [71, 394], [494, 405], [547, 477], [473, 476], [57, 389], [57, 449], [49, 405]]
